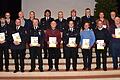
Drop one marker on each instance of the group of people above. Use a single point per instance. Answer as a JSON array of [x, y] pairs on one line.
[[50, 35]]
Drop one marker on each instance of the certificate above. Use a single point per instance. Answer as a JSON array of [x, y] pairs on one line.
[[117, 32], [86, 44], [16, 37], [34, 41], [2, 36], [72, 42], [52, 41], [100, 44]]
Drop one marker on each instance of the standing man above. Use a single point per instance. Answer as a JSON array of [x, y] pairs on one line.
[[4, 44], [35, 40], [71, 47], [76, 19], [45, 24], [53, 39], [88, 18], [18, 45]]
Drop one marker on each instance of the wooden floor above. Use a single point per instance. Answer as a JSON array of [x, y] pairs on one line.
[[110, 74]]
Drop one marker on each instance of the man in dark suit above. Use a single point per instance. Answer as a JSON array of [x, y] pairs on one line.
[[76, 19], [18, 45], [4, 44], [88, 18], [71, 52], [61, 25], [45, 24], [36, 48]]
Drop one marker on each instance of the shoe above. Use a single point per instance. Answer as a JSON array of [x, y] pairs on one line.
[[22, 71], [105, 69], [75, 69], [7, 70], [16, 71], [67, 69], [84, 68], [57, 69], [97, 68], [41, 70], [49, 69], [89, 69], [31, 70], [1, 69]]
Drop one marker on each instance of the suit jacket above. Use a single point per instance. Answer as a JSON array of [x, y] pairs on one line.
[[36, 33], [77, 22], [91, 20], [61, 25], [23, 37], [68, 34], [53, 33], [44, 24], [5, 30]]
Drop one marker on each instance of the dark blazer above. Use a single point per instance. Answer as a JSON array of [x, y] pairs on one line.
[[53, 33], [44, 24], [77, 22], [61, 25], [5, 30], [67, 34], [23, 38], [91, 20], [36, 33]]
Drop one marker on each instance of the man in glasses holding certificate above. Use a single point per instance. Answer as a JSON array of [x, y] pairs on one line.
[[102, 40], [71, 40], [18, 45], [87, 42], [35, 40], [53, 39]]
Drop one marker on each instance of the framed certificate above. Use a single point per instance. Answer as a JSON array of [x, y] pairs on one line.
[[86, 44], [72, 42], [34, 41], [100, 44], [16, 37], [52, 41], [2, 36], [117, 32]]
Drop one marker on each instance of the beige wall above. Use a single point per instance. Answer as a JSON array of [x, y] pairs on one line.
[[66, 6]]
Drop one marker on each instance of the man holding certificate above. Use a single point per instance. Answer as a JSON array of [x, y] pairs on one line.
[[4, 44], [115, 42], [53, 39], [71, 40], [87, 42], [18, 45], [102, 40], [35, 40]]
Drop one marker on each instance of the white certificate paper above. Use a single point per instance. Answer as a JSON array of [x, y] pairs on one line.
[[100, 44], [16, 37], [34, 41], [2, 36], [52, 41], [72, 42], [86, 44], [117, 32]]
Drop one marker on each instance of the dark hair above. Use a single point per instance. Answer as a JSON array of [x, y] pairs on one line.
[[87, 9], [47, 10], [36, 19]]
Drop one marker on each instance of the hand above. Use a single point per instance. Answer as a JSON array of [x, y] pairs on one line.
[[75, 45], [38, 45], [113, 35], [16, 43], [1, 42], [68, 45]]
